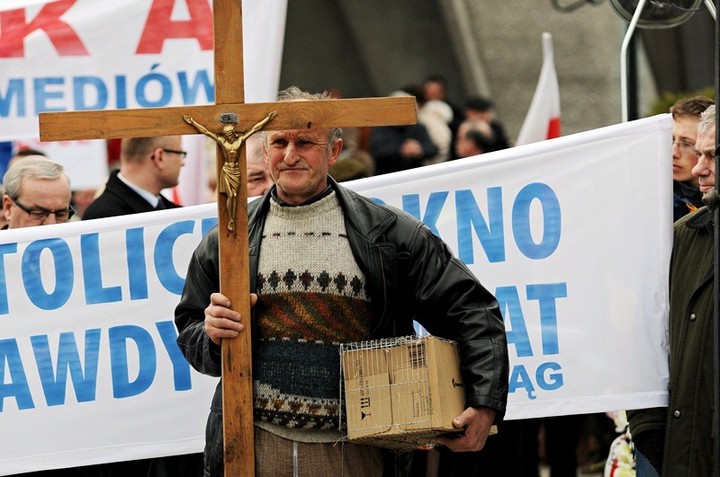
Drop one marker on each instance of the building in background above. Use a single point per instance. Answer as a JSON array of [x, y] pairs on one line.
[[492, 49]]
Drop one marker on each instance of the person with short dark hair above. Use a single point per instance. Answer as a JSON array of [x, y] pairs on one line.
[[474, 137], [147, 166], [482, 109], [435, 88]]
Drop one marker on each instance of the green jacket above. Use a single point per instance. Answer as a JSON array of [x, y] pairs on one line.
[[687, 422]]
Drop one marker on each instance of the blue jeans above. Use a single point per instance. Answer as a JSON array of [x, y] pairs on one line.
[[643, 468]]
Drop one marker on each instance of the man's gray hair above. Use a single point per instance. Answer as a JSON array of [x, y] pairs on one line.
[[707, 120], [30, 167], [293, 93]]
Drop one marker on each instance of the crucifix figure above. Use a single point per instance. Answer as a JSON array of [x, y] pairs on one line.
[[231, 175], [234, 270]]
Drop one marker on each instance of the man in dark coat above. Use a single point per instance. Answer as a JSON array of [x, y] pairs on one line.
[[147, 166], [678, 440], [329, 266]]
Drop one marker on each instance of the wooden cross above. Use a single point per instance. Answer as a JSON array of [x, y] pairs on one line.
[[234, 260]]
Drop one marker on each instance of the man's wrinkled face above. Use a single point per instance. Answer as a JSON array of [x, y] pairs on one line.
[[704, 170], [299, 162]]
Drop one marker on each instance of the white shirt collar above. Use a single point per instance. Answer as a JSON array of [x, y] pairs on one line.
[[148, 196]]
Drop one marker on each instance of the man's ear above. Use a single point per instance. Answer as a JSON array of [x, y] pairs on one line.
[[7, 207], [335, 151], [158, 158]]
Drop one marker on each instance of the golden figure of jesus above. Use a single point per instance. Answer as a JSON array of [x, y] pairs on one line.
[[231, 143]]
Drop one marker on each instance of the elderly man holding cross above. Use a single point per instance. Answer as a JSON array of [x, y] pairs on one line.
[[329, 266]]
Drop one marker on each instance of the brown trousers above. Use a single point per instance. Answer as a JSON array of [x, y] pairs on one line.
[[279, 457]]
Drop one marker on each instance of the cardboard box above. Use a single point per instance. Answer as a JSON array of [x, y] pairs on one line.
[[401, 393]]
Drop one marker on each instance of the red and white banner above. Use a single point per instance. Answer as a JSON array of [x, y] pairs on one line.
[[89, 368], [75, 55], [543, 118]]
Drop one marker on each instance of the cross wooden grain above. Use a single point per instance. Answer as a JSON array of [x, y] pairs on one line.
[[234, 262]]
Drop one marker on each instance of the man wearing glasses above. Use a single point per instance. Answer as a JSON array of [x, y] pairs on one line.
[[147, 166], [678, 440], [37, 192], [686, 115]]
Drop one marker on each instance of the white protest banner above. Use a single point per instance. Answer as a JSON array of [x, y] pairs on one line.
[[76, 55], [573, 235], [17, 4], [89, 368]]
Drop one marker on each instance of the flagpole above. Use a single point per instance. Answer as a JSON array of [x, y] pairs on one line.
[[711, 7], [623, 55]]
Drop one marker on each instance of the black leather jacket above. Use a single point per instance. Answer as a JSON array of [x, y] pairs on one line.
[[411, 275]]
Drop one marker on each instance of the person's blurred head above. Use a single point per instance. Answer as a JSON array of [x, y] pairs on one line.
[[259, 179], [686, 114], [473, 138], [704, 170], [82, 198], [479, 109], [152, 163], [37, 192], [435, 87]]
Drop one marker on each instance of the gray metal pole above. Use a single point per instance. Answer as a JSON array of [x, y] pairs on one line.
[[716, 215]]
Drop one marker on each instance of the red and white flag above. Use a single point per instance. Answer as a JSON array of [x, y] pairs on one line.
[[543, 118]]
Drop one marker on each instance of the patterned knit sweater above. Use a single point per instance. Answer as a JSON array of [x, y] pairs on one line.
[[311, 297]]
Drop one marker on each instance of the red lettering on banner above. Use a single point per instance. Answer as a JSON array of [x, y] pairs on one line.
[[14, 28], [159, 26]]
